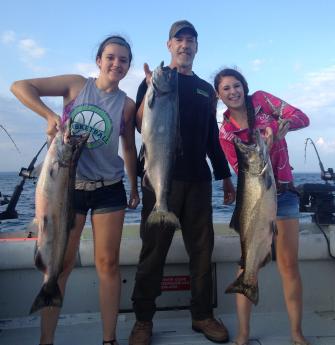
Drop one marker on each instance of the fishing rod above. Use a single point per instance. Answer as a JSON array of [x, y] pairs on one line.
[[325, 175], [5, 130], [319, 198], [25, 173]]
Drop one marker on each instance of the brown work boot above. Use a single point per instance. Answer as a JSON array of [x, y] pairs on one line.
[[141, 333], [212, 329]]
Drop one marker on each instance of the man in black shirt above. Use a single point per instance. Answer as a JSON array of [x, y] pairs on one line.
[[190, 196]]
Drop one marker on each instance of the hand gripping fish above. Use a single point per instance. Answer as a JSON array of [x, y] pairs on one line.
[[161, 137], [54, 214], [255, 213]]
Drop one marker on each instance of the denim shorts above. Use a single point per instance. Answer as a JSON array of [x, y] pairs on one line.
[[101, 200], [287, 205]]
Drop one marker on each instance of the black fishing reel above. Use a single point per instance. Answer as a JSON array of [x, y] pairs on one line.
[[319, 198], [328, 175]]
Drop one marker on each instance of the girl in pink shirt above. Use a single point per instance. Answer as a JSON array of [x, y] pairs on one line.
[[274, 118]]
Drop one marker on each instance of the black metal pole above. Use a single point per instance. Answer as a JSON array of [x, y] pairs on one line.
[[10, 212]]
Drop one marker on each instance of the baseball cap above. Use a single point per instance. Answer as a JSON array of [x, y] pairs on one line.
[[180, 25]]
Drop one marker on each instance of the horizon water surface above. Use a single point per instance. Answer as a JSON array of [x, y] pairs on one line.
[[26, 204]]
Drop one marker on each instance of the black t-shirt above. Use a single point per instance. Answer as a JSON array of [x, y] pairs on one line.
[[199, 131]]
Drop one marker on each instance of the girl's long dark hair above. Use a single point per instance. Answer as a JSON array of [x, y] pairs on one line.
[[230, 72]]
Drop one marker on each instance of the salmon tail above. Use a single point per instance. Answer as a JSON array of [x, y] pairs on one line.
[[248, 290], [49, 296], [166, 220]]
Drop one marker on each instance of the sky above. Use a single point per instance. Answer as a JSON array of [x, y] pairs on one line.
[[283, 47]]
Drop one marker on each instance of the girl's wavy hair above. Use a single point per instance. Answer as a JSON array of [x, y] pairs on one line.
[[231, 72]]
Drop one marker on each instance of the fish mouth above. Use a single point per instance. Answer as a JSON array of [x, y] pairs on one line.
[[164, 79], [245, 147], [254, 155], [77, 139]]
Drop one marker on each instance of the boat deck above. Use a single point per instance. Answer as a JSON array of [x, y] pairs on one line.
[[80, 322], [85, 329]]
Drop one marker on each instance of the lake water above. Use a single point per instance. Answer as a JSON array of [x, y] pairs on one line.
[[25, 206]]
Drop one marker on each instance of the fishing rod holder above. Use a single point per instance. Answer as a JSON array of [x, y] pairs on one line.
[[328, 175], [4, 199], [27, 173], [319, 199]]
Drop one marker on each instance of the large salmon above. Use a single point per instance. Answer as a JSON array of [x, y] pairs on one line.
[[161, 135], [54, 214], [255, 213]]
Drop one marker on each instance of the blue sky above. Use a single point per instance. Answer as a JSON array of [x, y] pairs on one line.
[[284, 47]]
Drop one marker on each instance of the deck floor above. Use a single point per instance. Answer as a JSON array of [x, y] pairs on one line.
[[85, 329]]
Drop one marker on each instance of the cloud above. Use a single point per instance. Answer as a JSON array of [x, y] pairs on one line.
[[132, 81], [316, 96], [30, 48], [25, 127], [129, 84], [87, 69], [327, 146], [8, 37], [257, 64], [220, 109], [297, 66], [27, 46], [251, 45]]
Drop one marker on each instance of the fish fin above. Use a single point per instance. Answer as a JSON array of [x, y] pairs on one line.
[[49, 296], [273, 250], [274, 229], [142, 152], [37, 170], [267, 180], [234, 222], [266, 260], [39, 225], [140, 161], [39, 261], [163, 219], [248, 290], [146, 182], [49, 140]]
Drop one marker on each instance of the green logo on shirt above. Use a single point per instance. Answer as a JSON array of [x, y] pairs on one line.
[[91, 119], [202, 92]]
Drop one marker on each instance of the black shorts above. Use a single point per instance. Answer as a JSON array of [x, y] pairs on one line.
[[101, 200]]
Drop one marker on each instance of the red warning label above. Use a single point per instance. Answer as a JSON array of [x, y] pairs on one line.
[[175, 283]]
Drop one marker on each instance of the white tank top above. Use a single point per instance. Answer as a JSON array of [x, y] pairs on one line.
[[99, 113]]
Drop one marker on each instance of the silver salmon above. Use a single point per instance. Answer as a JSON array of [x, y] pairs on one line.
[[254, 214], [54, 214], [161, 135]]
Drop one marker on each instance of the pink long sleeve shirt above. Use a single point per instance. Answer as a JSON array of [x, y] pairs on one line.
[[268, 112]]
